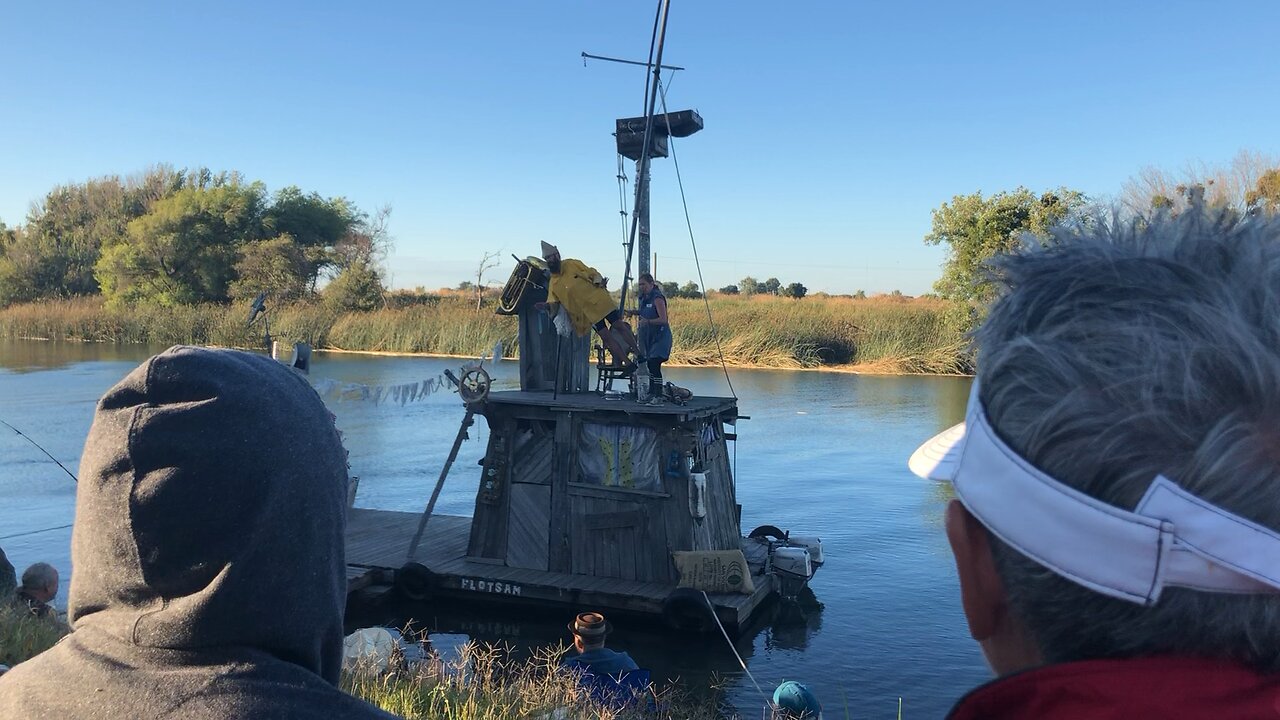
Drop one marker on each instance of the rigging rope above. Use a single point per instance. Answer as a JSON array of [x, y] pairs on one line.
[[715, 332], [41, 449], [402, 393], [622, 202], [712, 608], [34, 532]]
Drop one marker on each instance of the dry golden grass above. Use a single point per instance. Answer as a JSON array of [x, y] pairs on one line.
[[485, 683], [884, 334]]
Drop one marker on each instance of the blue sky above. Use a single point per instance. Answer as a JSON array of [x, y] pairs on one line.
[[832, 128]]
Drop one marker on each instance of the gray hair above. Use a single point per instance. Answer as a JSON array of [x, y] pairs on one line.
[[1127, 348], [39, 576]]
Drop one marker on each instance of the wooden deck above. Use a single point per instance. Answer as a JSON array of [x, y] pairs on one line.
[[378, 543], [591, 402]]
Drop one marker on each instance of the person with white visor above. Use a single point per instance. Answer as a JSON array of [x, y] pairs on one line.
[[1117, 476]]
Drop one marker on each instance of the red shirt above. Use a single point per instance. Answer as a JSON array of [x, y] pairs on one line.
[[1164, 687]]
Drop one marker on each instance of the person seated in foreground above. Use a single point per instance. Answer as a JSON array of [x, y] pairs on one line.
[[1116, 478], [589, 631], [8, 578], [209, 572], [580, 290], [794, 701], [39, 588]]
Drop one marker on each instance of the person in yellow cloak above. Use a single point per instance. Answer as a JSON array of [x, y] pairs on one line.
[[580, 290]]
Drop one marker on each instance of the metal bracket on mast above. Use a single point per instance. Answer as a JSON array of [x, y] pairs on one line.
[[625, 62]]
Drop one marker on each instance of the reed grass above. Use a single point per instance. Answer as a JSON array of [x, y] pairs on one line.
[[482, 683], [485, 682], [889, 335], [23, 635]]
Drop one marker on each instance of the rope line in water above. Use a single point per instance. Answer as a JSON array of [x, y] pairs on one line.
[[767, 700]]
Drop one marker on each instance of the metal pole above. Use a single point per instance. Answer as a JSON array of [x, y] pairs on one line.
[[627, 62], [642, 181], [642, 212], [467, 420]]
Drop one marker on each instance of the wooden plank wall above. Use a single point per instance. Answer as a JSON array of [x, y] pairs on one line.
[[563, 469], [530, 526], [619, 537], [539, 344], [489, 525], [722, 511]]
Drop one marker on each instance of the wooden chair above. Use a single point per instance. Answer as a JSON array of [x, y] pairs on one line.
[[606, 373]]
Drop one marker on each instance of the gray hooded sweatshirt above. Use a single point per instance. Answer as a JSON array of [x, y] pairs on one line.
[[208, 573]]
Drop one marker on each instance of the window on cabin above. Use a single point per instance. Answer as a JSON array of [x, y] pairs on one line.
[[621, 456]]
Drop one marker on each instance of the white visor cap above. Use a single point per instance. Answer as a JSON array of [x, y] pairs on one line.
[[1171, 538]]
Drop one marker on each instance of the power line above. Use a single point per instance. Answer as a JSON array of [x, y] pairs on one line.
[[770, 263]]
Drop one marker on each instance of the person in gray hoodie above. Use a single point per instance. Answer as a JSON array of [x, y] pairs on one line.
[[208, 575]]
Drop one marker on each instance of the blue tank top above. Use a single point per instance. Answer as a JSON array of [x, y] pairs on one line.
[[655, 340]]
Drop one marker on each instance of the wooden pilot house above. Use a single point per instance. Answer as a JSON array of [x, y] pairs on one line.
[[587, 499]]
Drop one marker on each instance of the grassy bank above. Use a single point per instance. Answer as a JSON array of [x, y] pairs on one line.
[[482, 683], [878, 334], [23, 635]]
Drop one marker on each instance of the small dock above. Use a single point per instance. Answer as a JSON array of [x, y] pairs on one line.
[[378, 541]]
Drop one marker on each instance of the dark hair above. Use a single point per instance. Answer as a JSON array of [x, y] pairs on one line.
[[647, 278]]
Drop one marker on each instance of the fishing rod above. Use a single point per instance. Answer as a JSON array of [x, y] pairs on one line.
[[41, 449]]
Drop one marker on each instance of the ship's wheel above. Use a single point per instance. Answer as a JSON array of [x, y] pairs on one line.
[[474, 385]]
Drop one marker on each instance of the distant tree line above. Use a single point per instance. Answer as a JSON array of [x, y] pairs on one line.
[[975, 227], [178, 237], [773, 286]]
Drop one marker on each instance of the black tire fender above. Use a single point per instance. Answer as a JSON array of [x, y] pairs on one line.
[[768, 532], [415, 581], [686, 609]]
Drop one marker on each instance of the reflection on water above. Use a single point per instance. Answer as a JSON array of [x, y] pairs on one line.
[[23, 356], [697, 663], [823, 454]]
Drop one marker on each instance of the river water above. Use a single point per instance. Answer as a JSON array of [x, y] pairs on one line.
[[823, 454]]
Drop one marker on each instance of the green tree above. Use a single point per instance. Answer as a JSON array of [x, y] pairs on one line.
[[729, 289], [184, 250], [317, 225], [65, 232], [690, 290], [795, 290], [771, 286], [670, 289], [749, 285], [976, 228], [278, 266], [357, 287]]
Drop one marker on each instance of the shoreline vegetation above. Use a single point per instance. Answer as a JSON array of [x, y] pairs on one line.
[[483, 682], [879, 335]]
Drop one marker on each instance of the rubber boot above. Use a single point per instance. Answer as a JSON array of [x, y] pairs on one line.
[[656, 389]]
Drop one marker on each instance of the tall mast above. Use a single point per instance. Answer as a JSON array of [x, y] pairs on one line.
[[641, 139], [640, 218]]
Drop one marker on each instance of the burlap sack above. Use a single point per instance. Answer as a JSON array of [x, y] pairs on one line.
[[714, 571]]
